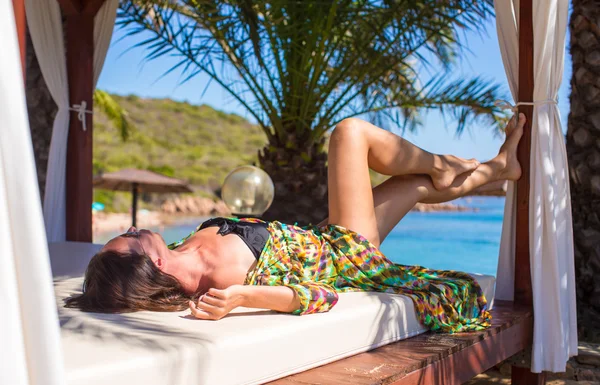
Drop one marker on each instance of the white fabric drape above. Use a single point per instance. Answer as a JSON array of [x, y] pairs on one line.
[[508, 36], [30, 350], [104, 23], [550, 223], [46, 31]]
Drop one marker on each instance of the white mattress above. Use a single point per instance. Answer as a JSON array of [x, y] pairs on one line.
[[248, 347]]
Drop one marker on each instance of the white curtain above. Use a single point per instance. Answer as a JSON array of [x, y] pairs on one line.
[[46, 31], [30, 350], [45, 27], [104, 23], [550, 223], [508, 36]]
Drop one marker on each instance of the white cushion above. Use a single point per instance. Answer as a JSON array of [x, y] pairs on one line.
[[248, 347], [70, 259]]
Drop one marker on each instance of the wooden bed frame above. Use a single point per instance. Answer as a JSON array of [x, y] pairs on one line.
[[426, 359], [431, 358]]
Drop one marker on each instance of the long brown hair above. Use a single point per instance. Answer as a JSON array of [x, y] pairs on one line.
[[120, 283]]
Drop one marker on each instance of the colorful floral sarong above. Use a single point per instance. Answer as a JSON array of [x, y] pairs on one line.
[[320, 262]]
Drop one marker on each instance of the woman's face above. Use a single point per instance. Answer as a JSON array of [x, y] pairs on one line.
[[143, 242]]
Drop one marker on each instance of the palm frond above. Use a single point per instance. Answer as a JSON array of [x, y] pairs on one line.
[[299, 66], [114, 112]]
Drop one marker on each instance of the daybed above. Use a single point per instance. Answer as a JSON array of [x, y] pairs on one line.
[[247, 347]]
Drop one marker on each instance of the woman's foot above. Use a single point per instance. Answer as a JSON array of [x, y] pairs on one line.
[[508, 164], [447, 167]]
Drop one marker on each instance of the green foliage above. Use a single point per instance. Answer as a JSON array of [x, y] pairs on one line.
[[163, 169], [105, 197], [299, 67], [195, 143], [113, 111]]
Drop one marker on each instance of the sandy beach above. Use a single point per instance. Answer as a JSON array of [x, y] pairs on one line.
[[104, 222]]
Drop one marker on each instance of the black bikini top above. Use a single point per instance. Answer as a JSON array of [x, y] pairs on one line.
[[255, 235]]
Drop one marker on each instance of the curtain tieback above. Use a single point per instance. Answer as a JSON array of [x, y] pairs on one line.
[[81, 111], [505, 105]]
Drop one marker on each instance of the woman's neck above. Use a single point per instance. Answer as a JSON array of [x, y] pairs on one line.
[[190, 268]]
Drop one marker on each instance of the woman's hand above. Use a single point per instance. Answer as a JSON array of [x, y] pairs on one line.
[[216, 304]]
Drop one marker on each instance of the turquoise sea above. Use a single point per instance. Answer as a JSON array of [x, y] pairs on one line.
[[466, 241]]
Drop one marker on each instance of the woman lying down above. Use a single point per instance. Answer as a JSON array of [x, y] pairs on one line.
[[228, 263]]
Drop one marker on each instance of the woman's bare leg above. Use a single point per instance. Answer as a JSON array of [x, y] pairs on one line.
[[393, 199], [390, 154], [356, 146]]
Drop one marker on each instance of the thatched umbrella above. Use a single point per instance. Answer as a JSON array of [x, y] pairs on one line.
[[136, 181]]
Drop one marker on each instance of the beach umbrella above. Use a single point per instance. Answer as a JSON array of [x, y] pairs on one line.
[[137, 181]]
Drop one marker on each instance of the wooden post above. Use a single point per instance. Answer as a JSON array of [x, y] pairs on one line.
[[134, 200], [79, 15], [523, 376], [523, 293], [20, 22], [80, 59]]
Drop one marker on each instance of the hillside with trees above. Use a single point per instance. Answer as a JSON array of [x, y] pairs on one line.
[[193, 142]]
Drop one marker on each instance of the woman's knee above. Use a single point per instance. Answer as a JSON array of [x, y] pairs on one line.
[[348, 130]]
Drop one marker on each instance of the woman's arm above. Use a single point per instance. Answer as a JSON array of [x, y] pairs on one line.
[[216, 304], [278, 298], [296, 297]]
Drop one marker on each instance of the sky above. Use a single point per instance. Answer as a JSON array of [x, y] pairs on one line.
[[125, 72]]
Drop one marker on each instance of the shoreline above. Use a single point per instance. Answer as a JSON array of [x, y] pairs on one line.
[[103, 223], [110, 222]]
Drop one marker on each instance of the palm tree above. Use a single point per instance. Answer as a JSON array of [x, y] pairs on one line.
[[299, 67], [583, 149]]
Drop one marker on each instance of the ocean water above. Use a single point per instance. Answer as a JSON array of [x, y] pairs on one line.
[[466, 241]]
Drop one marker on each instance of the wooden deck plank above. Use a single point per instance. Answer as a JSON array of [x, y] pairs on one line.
[[461, 366], [430, 357]]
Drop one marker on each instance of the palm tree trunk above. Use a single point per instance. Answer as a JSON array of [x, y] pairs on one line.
[[300, 178], [41, 109], [583, 149]]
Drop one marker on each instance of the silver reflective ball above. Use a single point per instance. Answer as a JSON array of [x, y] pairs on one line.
[[248, 190]]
